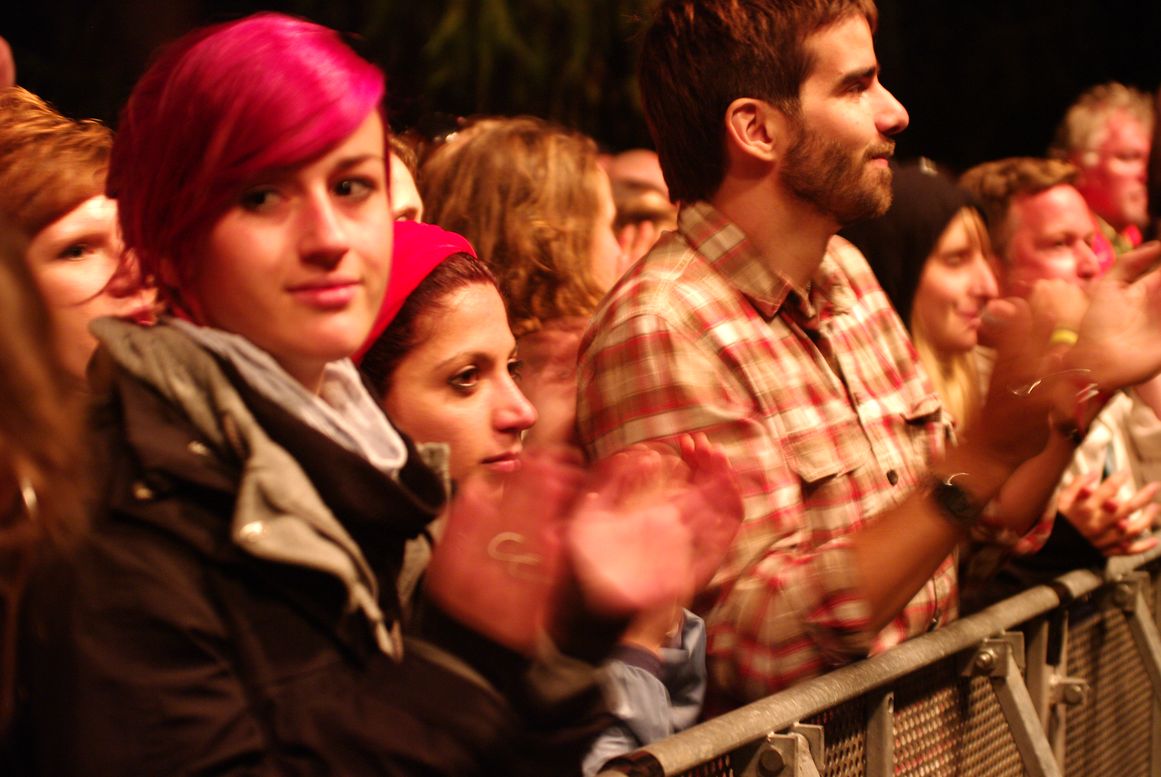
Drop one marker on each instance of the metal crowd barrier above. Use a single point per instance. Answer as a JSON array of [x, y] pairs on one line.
[[1062, 679]]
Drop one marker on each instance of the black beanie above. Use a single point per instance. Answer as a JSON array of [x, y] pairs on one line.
[[898, 243]]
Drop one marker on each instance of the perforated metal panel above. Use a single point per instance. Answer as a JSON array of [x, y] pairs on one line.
[[845, 738], [949, 725], [1110, 733]]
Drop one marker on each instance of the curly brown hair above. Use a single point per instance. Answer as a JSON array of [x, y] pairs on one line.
[[49, 164], [524, 192]]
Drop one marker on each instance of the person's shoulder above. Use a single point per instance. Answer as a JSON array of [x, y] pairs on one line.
[[641, 290], [849, 260], [671, 282]]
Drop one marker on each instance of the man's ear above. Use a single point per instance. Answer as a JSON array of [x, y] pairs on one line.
[[756, 129]]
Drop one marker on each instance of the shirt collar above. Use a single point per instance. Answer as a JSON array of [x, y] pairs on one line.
[[727, 249]]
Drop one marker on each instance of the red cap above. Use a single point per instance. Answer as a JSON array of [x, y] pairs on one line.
[[419, 249]]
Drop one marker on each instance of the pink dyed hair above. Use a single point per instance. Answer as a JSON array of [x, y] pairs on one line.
[[220, 107]]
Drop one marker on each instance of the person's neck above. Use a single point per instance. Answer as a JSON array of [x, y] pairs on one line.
[[791, 235]]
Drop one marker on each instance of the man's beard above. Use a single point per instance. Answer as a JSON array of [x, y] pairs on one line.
[[823, 173]]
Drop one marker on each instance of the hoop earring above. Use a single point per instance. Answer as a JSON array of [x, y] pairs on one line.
[[29, 498]]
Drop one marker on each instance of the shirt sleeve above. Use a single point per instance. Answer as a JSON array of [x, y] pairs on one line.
[[786, 607]]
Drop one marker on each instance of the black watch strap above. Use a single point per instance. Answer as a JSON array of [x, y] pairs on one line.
[[954, 502]]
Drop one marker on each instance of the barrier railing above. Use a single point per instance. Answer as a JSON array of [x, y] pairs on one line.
[[1061, 679]]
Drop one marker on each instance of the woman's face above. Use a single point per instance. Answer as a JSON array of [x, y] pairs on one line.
[[458, 386], [406, 204], [607, 257], [77, 263], [957, 282], [298, 265]]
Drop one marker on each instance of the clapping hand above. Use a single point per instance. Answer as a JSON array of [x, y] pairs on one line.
[[642, 532]]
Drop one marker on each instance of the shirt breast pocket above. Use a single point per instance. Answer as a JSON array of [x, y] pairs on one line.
[[914, 429], [825, 450]]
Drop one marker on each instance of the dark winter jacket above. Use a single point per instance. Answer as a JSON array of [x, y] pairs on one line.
[[191, 633]]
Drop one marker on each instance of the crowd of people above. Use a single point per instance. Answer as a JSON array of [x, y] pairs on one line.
[[327, 449]]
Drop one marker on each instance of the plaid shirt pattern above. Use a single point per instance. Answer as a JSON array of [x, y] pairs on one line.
[[816, 397]]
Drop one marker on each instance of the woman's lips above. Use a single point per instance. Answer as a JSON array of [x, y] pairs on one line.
[[972, 317], [505, 462], [328, 295]]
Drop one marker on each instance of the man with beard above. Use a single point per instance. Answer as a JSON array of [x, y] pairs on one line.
[[754, 324]]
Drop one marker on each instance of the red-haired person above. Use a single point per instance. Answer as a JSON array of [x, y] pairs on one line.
[[236, 602], [52, 193], [41, 467]]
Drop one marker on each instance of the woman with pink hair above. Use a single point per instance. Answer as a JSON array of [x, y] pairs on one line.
[[237, 603]]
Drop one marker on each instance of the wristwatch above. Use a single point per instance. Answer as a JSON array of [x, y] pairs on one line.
[[954, 502]]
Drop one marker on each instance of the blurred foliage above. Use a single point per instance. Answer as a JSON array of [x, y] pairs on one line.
[[981, 80], [568, 60]]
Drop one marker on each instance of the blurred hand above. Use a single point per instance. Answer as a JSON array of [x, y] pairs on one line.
[[499, 560], [1028, 383], [1061, 303], [1113, 525], [1120, 334], [635, 240], [640, 534], [657, 528]]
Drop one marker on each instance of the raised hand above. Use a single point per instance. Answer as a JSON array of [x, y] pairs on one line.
[[657, 527], [635, 240], [1026, 385], [498, 564], [1061, 303], [641, 533], [1120, 334]]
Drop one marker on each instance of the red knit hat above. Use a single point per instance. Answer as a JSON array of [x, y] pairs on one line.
[[419, 249]]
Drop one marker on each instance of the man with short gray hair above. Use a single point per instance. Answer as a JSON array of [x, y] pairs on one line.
[[1107, 134]]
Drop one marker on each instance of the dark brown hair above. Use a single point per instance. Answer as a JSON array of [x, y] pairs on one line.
[[701, 55]]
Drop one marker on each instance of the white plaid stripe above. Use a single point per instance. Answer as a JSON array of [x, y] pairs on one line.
[[702, 335]]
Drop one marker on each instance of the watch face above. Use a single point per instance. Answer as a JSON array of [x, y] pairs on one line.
[[955, 503]]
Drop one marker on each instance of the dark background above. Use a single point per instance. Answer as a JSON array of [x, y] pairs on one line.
[[981, 79]]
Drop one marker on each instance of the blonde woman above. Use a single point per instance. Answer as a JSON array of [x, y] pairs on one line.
[[933, 257]]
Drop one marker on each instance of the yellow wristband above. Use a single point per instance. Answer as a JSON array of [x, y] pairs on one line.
[[1063, 336]]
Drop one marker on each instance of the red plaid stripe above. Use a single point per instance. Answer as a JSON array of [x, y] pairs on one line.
[[819, 402]]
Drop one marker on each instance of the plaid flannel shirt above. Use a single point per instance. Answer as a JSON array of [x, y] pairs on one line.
[[819, 402]]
